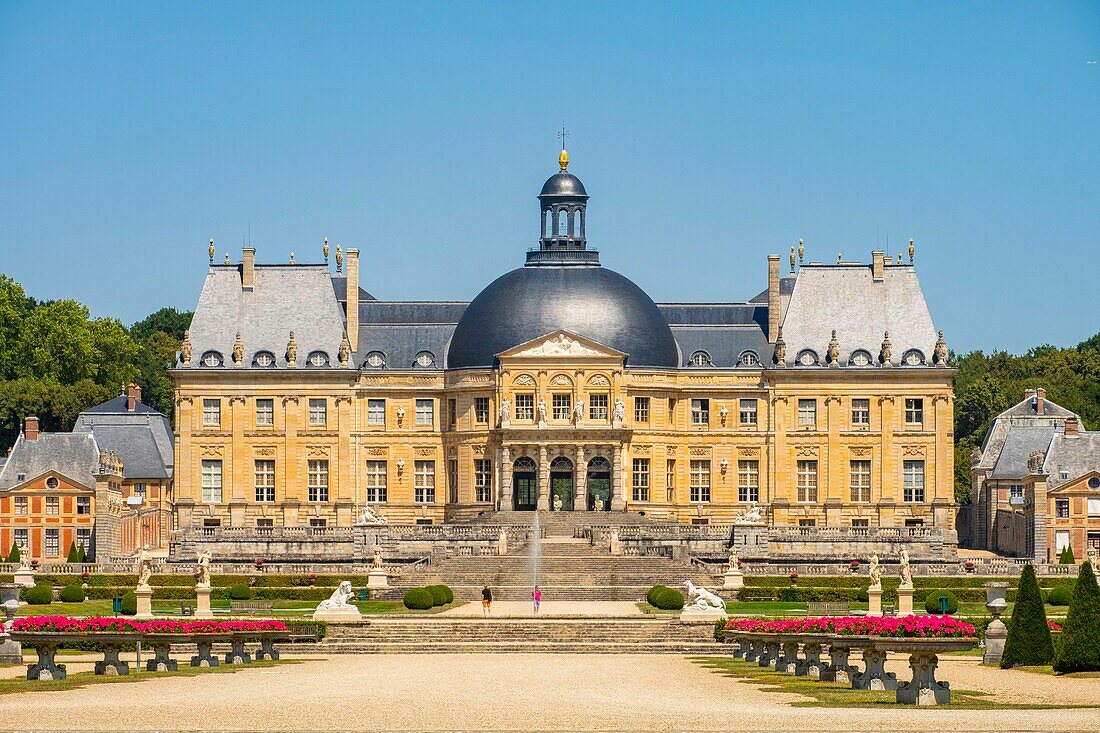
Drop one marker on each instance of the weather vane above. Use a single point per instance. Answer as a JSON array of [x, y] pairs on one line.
[[562, 135]]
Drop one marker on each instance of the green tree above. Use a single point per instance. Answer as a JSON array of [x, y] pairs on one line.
[[167, 321], [73, 555], [1079, 648], [13, 556], [1028, 641], [1065, 557]]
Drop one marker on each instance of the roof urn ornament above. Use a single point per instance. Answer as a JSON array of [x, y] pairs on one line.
[[801, 251], [185, 349], [939, 353], [227, 260], [238, 350], [1035, 461], [339, 259], [912, 250], [292, 258], [887, 349], [780, 349], [210, 250], [792, 258], [325, 250], [833, 353], [292, 351], [345, 351]]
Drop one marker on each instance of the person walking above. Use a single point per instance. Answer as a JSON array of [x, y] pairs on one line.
[[536, 597], [486, 601]]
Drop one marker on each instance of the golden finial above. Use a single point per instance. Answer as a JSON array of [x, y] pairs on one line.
[[292, 258], [912, 249], [227, 260], [839, 257], [339, 258], [801, 251], [792, 258], [325, 250], [563, 159], [210, 249]]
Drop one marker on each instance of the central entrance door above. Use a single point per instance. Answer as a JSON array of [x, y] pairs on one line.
[[561, 484], [525, 484], [599, 484]]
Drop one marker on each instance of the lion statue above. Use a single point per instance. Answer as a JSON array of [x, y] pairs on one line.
[[340, 598], [702, 599]]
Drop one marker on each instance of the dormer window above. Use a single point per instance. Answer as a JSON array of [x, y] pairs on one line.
[[263, 359], [749, 358], [807, 357], [700, 359], [860, 358], [913, 357], [376, 360], [212, 359], [318, 359], [425, 359]]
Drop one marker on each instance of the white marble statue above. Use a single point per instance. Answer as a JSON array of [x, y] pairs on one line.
[[202, 569], [905, 571], [749, 516], [542, 412], [578, 411], [876, 573], [558, 503], [505, 410], [144, 567], [598, 504], [702, 599], [377, 560], [620, 411], [369, 517], [734, 561], [339, 599]]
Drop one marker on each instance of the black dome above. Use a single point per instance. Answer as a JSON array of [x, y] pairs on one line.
[[593, 302], [563, 184]]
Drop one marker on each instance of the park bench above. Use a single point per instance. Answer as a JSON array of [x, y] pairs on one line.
[[250, 607], [186, 609], [819, 608], [889, 610]]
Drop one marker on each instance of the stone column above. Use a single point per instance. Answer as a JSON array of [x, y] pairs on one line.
[[580, 482], [544, 480], [505, 480], [617, 503]]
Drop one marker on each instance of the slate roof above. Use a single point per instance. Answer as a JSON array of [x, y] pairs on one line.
[[1077, 455], [285, 298], [118, 405], [142, 439], [73, 455], [1020, 416], [1021, 442], [846, 298]]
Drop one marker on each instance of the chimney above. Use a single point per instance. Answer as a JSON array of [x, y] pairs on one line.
[[133, 396], [1040, 401], [30, 432], [248, 268], [353, 298], [773, 298], [878, 265], [1071, 426], [1028, 394]]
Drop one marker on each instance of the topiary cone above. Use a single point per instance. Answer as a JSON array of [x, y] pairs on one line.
[[1079, 648], [1028, 642]]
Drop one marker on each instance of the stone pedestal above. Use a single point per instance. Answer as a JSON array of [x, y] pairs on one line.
[[144, 601], [24, 577], [377, 579], [341, 615], [874, 601], [995, 636], [11, 652], [202, 602], [733, 579], [874, 675], [701, 615], [905, 600]]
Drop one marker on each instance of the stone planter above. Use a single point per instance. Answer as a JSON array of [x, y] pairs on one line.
[[839, 668], [810, 665], [924, 688]]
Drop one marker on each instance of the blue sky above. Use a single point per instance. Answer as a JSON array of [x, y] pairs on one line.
[[707, 135]]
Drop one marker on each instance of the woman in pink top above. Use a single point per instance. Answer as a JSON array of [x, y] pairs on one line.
[[536, 596]]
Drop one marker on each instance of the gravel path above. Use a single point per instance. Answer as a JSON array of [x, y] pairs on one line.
[[502, 692], [524, 609]]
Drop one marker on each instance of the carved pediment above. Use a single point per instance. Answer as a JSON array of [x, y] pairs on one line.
[[37, 486], [561, 344]]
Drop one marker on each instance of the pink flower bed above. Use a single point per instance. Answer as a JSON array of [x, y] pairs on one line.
[[1054, 626], [922, 627], [64, 624]]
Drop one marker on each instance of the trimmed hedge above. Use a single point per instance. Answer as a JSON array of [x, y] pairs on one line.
[[933, 602], [1060, 595], [39, 594], [1028, 641], [665, 598], [129, 603], [418, 599], [72, 593], [240, 592], [441, 594]]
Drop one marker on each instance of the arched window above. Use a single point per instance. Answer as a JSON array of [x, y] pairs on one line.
[[748, 359], [548, 225], [561, 463], [524, 463], [913, 357], [578, 231], [807, 357], [563, 221], [263, 360], [860, 358], [425, 359], [212, 359], [376, 359], [700, 359], [599, 464], [318, 359]]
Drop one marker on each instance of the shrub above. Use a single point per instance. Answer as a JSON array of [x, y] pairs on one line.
[[240, 592], [13, 556], [81, 557], [1028, 641], [418, 599], [439, 596], [668, 599], [1079, 648], [651, 594], [73, 555], [1060, 595], [932, 602], [39, 595], [129, 603], [72, 593], [1065, 557]]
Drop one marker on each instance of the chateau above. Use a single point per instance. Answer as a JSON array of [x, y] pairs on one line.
[[822, 403]]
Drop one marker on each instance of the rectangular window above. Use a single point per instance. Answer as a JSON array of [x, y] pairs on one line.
[[265, 481], [21, 539], [21, 506], [807, 481], [525, 407], [318, 523], [561, 406], [1061, 508], [857, 522], [1094, 507], [1016, 493], [670, 478], [376, 482], [84, 537], [671, 410], [700, 481], [212, 413], [208, 522], [425, 412], [265, 413], [424, 482], [452, 481], [914, 411], [859, 481], [807, 522], [318, 413], [861, 412], [376, 412], [483, 480], [83, 505], [452, 413], [53, 543], [807, 413], [53, 505], [641, 409], [914, 522], [640, 478], [700, 412], [1061, 540], [597, 407], [212, 482], [748, 481], [139, 490], [481, 410], [265, 523], [317, 481], [748, 412], [913, 481]]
